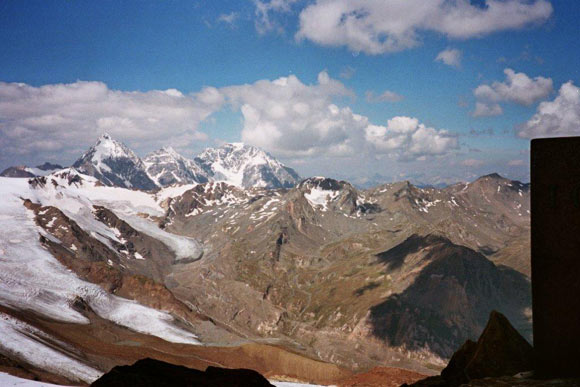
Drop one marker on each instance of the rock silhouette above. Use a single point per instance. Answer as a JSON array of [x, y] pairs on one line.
[[150, 372]]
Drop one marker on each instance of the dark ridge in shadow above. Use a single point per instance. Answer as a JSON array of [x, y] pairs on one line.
[[395, 257], [450, 300]]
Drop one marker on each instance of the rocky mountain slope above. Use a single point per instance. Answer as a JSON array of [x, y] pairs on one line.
[[321, 279]]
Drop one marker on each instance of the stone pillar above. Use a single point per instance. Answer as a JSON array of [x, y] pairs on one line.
[[555, 205]]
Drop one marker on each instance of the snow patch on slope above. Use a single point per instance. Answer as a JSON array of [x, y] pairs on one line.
[[320, 197]]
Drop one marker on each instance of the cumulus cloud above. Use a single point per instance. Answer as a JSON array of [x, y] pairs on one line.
[[293, 119], [559, 117], [284, 116], [409, 139], [517, 88], [55, 117], [290, 118], [450, 57], [382, 26], [385, 96]]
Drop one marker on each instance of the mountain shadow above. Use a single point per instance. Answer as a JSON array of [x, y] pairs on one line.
[[450, 299]]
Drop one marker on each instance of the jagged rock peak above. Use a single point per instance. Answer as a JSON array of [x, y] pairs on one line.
[[246, 166], [114, 164], [324, 183], [166, 167]]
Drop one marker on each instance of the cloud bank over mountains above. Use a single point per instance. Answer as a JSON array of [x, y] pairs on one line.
[[284, 116]]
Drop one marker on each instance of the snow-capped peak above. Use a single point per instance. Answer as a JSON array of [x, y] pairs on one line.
[[170, 151], [114, 164], [167, 167], [246, 166], [106, 147]]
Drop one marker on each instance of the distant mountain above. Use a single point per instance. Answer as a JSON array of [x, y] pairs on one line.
[[115, 165], [17, 171], [49, 166], [236, 164], [246, 166], [167, 167], [24, 171]]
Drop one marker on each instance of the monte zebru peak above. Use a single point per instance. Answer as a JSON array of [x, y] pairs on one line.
[[237, 164]]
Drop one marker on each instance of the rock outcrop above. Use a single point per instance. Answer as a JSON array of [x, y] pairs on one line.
[[499, 351]]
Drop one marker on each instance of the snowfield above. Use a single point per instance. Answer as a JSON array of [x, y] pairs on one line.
[[32, 279], [25, 342], [77, 200], [7, 380]]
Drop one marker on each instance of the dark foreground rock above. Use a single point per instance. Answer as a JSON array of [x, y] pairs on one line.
[[150, 372], [500, 351]]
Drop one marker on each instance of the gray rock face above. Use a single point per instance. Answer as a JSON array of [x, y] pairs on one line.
[[167, 167], [246, 166], [115, 165]]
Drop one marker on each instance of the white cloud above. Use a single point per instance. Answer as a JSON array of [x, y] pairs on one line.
[[290, 118], [382, 26], [293, 119], [62, 116], [385, 96], [228, 18], [284, 116], [487, 109], [409, 139], [347, 72], [517, 88], [559, 117], [450, 57]]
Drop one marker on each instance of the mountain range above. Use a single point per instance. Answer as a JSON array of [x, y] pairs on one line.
[[201, 262], [114, 164]]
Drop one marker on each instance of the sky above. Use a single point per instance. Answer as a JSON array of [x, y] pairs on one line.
[[370, 91]]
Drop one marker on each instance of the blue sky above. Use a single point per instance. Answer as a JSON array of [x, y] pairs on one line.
[[127, 52]]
